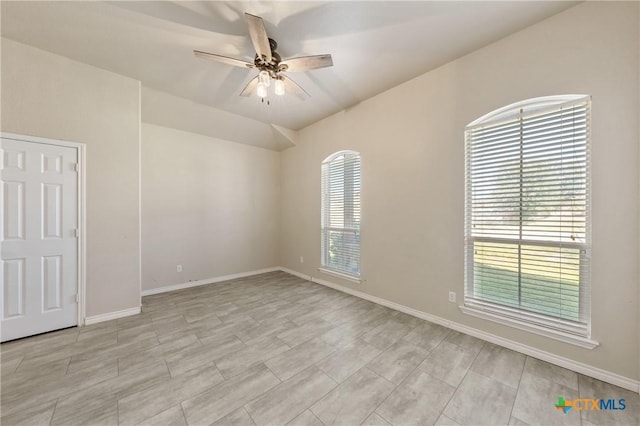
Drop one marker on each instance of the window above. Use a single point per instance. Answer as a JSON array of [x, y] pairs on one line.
[[527, 231], [341, 213]]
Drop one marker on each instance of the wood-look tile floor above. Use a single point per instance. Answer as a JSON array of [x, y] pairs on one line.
[[273, 350]]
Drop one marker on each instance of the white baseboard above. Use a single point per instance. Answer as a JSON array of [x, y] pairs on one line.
[[111, 316], [587, 370], [207, 281]]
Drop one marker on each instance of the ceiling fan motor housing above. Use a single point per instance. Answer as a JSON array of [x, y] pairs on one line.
[[273, 66]]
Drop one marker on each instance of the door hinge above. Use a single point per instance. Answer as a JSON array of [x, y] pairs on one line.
[[76, 167], [77, 298], [76, 233]]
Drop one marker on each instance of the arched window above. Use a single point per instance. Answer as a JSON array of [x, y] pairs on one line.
[[341, 213], [527, 224]]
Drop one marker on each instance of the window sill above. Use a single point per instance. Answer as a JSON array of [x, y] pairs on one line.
[[344, 276], [572, 339]]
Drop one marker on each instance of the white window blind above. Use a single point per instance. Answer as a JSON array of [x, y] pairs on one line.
[[527, 232], [341, 213]]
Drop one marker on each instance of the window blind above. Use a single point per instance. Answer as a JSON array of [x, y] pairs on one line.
[[527, 209], [341, 213]]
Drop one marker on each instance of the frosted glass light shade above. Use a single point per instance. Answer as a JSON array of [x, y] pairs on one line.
[[262, 90], [278, 87], [264, 78]]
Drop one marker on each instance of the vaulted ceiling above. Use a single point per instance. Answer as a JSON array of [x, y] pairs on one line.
[[375, 45]]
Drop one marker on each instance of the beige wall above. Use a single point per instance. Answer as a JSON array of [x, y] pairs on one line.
[[412, 147], [207, 204], [50, 96], [220, 208]]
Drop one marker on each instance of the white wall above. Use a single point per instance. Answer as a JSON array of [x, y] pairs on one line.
[[412, 147], [167, 110], [207, 204], [50, 96]]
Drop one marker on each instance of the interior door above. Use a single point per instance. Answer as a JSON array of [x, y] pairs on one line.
[[39, 238]]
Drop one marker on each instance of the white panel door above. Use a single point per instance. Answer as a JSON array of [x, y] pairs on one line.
[[39, 241]]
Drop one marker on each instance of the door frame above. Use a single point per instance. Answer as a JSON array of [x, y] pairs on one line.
[[82, 238]]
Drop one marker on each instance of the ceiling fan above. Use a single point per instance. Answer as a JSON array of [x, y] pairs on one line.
[[271, 67]]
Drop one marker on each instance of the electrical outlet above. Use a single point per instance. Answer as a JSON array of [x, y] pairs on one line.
[[179, 268], [301, 259], [452, 296]]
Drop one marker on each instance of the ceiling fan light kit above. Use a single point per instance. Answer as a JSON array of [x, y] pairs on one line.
[[278, 86], [262, 90], [264, 78], [270, 64]]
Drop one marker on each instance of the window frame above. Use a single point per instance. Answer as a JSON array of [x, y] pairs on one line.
[[325, 227], [518, 317]]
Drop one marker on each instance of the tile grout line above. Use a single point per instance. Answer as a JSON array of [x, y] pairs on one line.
[[273, 372], [54, 411], [184, 415], [401, 382], [385, 419], [515, 398], [579, 396], [320, 397], [19, 364], [66, 370], [314, 415], [461, 380], [385, 398], [281, 382], [243, 407]]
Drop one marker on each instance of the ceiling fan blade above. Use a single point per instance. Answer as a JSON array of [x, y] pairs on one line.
[[259, 36], [305, 63], [291, 86], [250, 88], [223, 59]]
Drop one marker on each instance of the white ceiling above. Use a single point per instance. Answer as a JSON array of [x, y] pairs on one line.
[[375, 44]]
